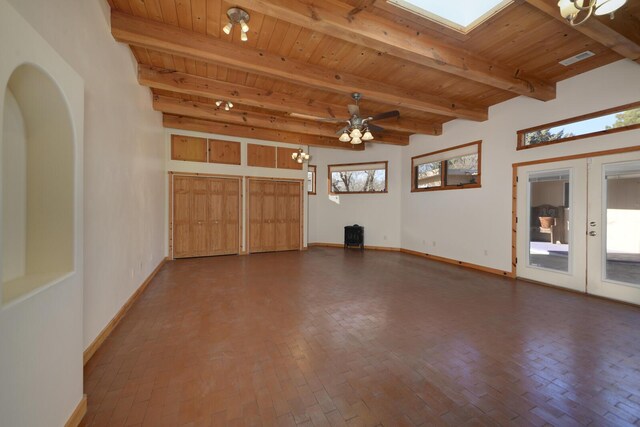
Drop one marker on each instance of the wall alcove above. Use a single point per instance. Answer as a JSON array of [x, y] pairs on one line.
[[37, 152]]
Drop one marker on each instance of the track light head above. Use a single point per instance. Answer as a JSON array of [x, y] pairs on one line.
[[240, 17]]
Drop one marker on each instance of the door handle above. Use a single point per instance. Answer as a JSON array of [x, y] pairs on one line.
[[592, 233], [592, 223]]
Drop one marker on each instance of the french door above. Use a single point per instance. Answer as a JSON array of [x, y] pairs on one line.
[[578, 225]]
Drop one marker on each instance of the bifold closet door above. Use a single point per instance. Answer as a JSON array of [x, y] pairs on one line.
[[206, 216], [274, 215]]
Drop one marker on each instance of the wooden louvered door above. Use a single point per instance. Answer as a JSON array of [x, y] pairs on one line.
[[274, 215], [282, 216], [294, 202], [206, 216]]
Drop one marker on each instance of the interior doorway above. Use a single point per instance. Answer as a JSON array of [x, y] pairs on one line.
[[578, 224]]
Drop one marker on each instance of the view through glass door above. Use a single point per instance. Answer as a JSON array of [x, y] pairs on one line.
[[579, 225], [614, 227], [551, 234]]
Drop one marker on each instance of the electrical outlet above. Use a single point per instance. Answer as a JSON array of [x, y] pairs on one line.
[[433, 243]]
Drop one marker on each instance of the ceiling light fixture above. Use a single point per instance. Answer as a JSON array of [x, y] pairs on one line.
[[572, 9], [357, 129], [300, 156], [226, 105], [239, 17]]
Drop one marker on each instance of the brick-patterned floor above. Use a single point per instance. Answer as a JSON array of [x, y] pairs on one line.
[[328, 337]]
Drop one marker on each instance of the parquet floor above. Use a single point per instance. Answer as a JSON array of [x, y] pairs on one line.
[[328, 337]]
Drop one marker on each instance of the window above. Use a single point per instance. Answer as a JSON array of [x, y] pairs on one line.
[[358, 178], [460, 15], [453, 168], [625, 117], [311, 179]]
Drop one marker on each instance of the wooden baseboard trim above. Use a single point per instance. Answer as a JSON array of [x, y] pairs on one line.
[[460, 263], [325, 245], [104, 334], [78, 413], [339, 245], [424, 255]]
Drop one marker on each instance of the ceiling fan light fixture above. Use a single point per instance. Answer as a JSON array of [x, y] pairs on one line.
[[344, 137], [572, 9], [227, 28], [568, 9], [244, 26], [367, 135], [243, 37], [605, 7], [356, 141], [218, 103], [355, 133]]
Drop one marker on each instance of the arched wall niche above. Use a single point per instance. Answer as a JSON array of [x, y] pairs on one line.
[[37, 183]]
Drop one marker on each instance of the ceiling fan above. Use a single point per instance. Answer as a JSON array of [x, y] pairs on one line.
[[359, 128]]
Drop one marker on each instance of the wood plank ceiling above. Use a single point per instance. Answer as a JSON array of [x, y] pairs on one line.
[[306, 57]]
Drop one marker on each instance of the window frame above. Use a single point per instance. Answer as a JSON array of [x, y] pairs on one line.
[[443, 168], [313, 180], [522, 132], [386, 178]]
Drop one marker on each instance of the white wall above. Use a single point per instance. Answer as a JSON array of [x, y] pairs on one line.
[[14, 206], [380, 214], [41, 331], [124, 155], [466, 223], [235, 170]]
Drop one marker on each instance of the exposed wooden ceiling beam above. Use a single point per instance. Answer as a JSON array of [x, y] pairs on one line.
[[209, 88], [176, 41], [364, 28], [594, 28], [200, 110], [200, 125]]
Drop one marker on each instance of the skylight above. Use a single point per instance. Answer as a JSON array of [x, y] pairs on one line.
[[461, 15]]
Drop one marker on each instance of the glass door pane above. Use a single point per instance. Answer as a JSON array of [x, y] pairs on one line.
[[551, 223], [549, 209], [622, 232]]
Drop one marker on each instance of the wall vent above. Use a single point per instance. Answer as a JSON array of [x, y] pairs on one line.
[[577, 58]]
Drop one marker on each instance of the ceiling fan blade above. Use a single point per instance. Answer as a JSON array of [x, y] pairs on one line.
[[354, 110], [387, 115], [333, 120], [374, 128], [343, 130]]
